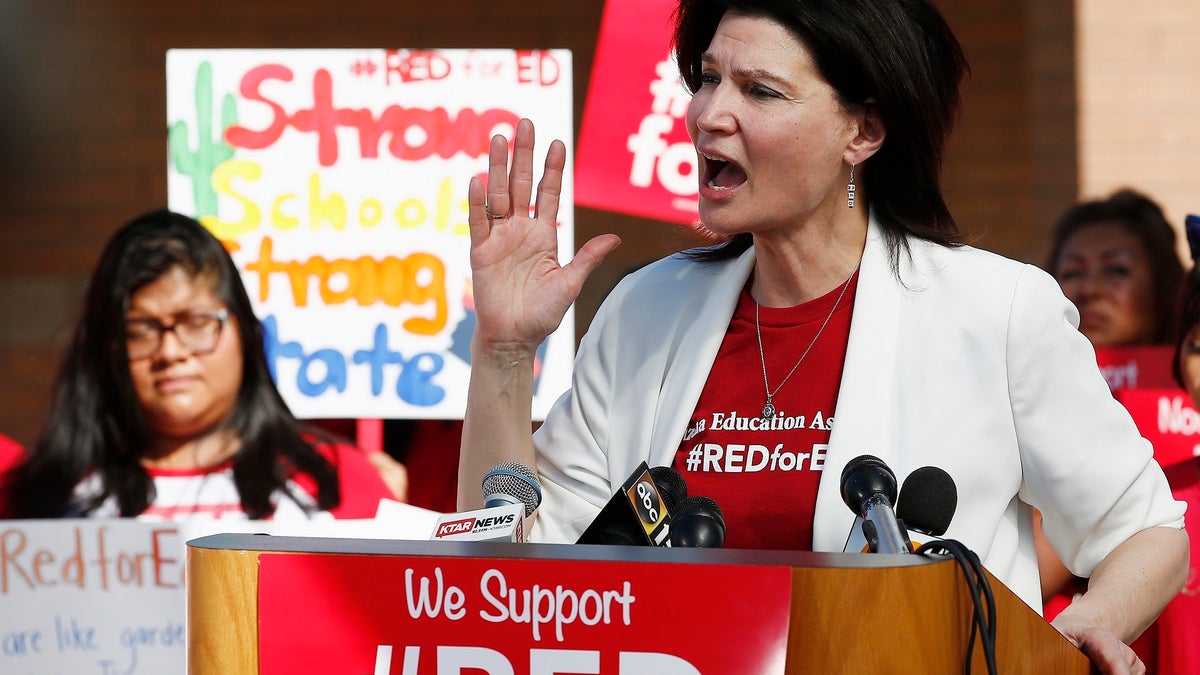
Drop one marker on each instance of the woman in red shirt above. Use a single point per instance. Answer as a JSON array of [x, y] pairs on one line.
[[165, 407]]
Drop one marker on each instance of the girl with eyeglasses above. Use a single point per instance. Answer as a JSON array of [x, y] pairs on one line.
[[165, 408]]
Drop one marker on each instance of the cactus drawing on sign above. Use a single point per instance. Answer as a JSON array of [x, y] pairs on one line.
[[210, 150]]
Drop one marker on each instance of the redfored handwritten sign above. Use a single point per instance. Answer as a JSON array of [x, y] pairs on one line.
[[338, 179], [91, 596]]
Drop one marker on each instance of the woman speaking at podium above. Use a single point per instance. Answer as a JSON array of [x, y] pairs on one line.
[[838, 313]]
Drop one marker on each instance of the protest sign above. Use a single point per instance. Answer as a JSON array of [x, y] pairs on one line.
[[338, 180]]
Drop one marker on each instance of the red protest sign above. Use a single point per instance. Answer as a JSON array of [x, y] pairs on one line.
[[1166, 418], [634, 154], [1144, 367]]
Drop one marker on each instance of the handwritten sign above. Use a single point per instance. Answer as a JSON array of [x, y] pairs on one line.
[[107, 597], [634, 153], [102, 597], [338, 180]]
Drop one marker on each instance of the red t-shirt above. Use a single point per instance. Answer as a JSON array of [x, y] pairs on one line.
[[12, 453], [361, 486], [764, 474]]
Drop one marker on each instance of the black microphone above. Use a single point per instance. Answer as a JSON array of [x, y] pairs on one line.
[[636, 515], [671, 485], [697, 522], [512, 483], [869, 489], [927, 501]]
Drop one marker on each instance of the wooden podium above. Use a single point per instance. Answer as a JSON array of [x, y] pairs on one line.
[[848, 613]]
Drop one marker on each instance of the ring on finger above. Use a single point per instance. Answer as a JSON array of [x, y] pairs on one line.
[[492, 216]]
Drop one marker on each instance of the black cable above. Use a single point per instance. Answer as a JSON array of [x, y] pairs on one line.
[[983, 623]]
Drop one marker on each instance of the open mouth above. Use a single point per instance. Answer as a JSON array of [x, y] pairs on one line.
[[721, 174]]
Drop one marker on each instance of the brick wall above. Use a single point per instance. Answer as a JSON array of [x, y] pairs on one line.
[[83, 143], [1139, 90]]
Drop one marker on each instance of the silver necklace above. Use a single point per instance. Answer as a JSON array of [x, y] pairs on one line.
[[768, 410]]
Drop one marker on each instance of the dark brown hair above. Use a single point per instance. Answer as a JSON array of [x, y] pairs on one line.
[[95, 424], [898, 55], [1143, 218]]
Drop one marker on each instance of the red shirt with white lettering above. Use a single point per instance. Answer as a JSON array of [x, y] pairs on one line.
[[764, 474]]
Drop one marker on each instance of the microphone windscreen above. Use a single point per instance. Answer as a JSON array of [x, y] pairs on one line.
[[671, 485], [864, 476], [514, 480], [928, 500], [698, 523]]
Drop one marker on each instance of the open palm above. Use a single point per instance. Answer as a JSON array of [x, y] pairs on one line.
[[521, 291]]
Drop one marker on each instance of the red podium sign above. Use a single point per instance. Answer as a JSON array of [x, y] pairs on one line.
[[357, 616]]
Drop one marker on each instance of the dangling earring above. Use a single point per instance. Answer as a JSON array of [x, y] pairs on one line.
[[850, 188]]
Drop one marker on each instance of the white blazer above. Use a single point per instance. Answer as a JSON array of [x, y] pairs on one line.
[[959, 359]]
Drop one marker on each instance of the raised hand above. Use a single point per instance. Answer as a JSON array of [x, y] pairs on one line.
[[521, 291]]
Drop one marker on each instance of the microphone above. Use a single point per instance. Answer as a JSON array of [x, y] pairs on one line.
[[924, 508], [512, 483], [671, 485], [869, 489], [927, 501], [511, 493], [697, 523], [636, 515]]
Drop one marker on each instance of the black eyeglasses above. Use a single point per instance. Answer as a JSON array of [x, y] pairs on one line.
[[197, 331]]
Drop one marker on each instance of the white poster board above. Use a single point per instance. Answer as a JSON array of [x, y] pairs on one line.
[[83, 597], [338, 180], [107, 597]]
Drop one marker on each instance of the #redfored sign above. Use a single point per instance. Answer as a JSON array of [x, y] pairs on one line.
[[634, 154], [364, 615]]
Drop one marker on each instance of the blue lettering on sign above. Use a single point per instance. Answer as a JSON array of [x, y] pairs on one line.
[[378, 357], [415, 383], [21, 642], [74, 637], [335, 372], [135, 638]]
